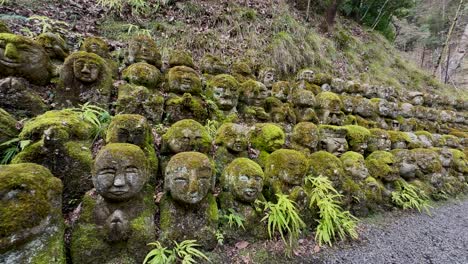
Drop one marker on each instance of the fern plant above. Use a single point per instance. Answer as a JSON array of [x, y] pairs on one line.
[[408, 196], [95, 115], [233, 219], [283, 217], [334, 221], [186, 252], [13, 147]]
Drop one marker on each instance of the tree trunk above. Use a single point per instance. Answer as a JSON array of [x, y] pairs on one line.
[[379, 16], [460, 53], [308, 10], [332, 10], [423, 56], [445, 46]]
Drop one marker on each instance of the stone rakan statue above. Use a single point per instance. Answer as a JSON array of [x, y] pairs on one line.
[[224, 90], [333, 139], [242, 184], [231, 141], [31, 224], [143, 49], [116, 219], [188, 209]]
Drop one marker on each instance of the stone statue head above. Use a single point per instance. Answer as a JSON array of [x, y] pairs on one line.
[[267, 137], [329, 101], [267, 76], [427, 160], [416, 98], [224, 89], [327, 165], [120, 171], [358, 138], [181, 58], [182, 79], [233, 137], [333, 139], [127, 128], [86, 70], [354, 165], [189, 177], [23, 57], [187, 135], [303, 98], [406, 164], [379, 140], [281, 90], [381, 165], [445, 157], [144, 49], [288, 166], [244, 179], [29, 194], [211, 64], [459, 162], [400, 140], [97, 46], [142, 74], [305, 136], [253, 93], [54, 45], [306, 75]]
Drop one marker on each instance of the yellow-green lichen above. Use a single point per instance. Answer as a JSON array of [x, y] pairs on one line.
[[181, 58]]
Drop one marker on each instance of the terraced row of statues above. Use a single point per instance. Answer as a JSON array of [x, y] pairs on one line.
[[173, 183]]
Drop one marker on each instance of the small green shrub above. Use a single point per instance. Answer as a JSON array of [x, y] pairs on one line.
[[408, 196], [233, 219], [333, 219], [95, 115], [185, 252], [283, 217], [14, 146]]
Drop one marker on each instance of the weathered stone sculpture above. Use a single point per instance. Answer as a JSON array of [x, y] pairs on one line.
[[354, 165], [54, 45], [242, 72], [267, 76], [266, 137], [304, 80], [280, 113], [188, 209], [304, 106], [134, 129], [212, 65], [61, 142], [357, 137], [252, 101], [85, 77], [329, 109], [281, 90], [143, 49], [333, 139], [100, 47], [116, 219], [223, 89], [184, 101], [19, 99], [31, 224], [140, 94], [242, 183], [186, 135], [231, 140], [23, 57], [327, 165], [305, 138], [379, 140], [405, 163], [381, 165], [181, 58]]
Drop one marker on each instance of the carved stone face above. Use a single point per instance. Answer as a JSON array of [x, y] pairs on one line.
[[288, 166], [418, 100], [86, 71], [334, 143], [354, 165], [446, 157], [268, 78], [304, 98], [120, 171], [233, 137], [190, 138], [255, 93], [183, 79], [54, 45], [245, 178], [274, 141], [22, 57], [306, 75], [225, 95], [405, 163], [305, 134], [144, 49], [281, 91], [189, 177]]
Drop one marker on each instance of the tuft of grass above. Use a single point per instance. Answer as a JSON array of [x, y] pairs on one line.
[[13, 147], [283, 217], [408, 196], [97, 116], [185, 252], [233, 219], [334, 221]]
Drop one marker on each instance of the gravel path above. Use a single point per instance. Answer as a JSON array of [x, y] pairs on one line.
[[441, 238]]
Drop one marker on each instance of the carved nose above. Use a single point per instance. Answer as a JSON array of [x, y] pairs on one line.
[[119, 180], [11, 51], [85, 69]]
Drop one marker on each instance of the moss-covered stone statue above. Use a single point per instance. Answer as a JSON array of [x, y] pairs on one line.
[[281, 90], [181, 58], [304, 106], [184, 100], [140, 95], [23, 57], [116, 220], [379, 140], [231, 141], [252, 101], [19, 99], [223, 89], [85, 77], [55, 47], [266, 138], [242, 71], [242, 184], [267, 76], [405, 163], [354, 165], [305, 79], [100, 47], [400, 140], [31, 224], [61, 141], [333, 139], [305, 138], [280, 113], [429, 165], [357, 137], [329, 109], [213, 65], [143, 49], [188, 209], [134, 129], [186, 135], [327, 165], [381, 165]]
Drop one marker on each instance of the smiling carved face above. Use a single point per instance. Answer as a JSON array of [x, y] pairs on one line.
[[120, 171], [22, 57], [86, 71]]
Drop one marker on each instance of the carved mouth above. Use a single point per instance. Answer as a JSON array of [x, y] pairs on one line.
[[10, 63], [119, 192], [249, 192]]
